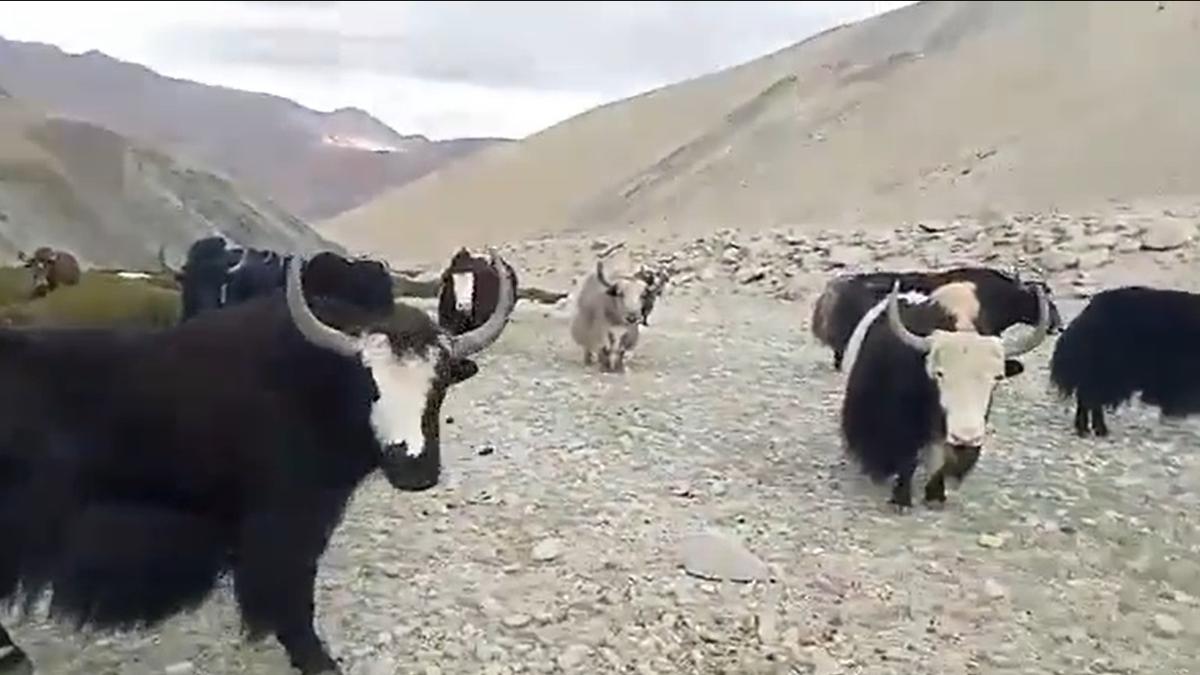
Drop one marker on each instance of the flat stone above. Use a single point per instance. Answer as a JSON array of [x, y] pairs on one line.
[[991, 541], [1165, 235], [181, 668], [1167, 626], [846, 256], [714, 556], [517, 620], [573, 657], [547, 549], [992, 589]]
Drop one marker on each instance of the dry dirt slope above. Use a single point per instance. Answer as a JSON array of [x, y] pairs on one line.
[[928, 111], [91, 191]]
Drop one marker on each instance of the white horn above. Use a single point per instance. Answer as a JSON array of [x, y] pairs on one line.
[[1035, 338], [307, 323], [906, 336]]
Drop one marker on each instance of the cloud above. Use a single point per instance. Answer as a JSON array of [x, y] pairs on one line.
[[449, 68]]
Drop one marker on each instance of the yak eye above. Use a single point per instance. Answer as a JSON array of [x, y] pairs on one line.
[[941, 374]]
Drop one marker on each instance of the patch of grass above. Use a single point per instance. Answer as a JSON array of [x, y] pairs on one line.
[[16, 284], [101, 300]]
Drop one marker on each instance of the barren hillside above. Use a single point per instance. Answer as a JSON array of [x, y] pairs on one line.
[[73, 185], [933, 110], [314, 164]]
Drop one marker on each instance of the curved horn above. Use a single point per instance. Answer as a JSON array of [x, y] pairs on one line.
[[1035, 338], [612, 249], [307, 323], [162, 261], [241, 262], [475, 341], [906, 336], [600, 274]]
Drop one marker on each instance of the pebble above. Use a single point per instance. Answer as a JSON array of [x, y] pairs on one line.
[[573, 657], [1167, 626], [517, 620], [547, 549], [991, 541], [993, 590], [181, 668]]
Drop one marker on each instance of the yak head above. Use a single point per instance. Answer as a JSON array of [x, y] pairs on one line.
[[412, 363], [460, 276], [625, 297], [205, 276], [965, 367], [41, 263]]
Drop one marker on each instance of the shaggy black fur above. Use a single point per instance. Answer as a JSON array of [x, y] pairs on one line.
[[136, 467], [208, 282], [891, 412], [483, 300], [1004, 301], [1130, 340]]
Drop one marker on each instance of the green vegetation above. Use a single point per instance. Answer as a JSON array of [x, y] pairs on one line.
[[101, 300]]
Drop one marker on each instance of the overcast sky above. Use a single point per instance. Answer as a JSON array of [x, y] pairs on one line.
[[442, 69]]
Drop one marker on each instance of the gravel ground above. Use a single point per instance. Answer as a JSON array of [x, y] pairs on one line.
[[554, 545]]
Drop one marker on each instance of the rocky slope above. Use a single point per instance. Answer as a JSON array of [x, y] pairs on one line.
[[113, 202], [936, 110], [313, 164], [564, 540]]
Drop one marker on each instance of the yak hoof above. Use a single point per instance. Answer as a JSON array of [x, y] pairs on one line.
[[935, 504], [900, 509]]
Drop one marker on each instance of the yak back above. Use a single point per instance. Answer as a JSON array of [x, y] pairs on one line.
[[890, 409], [1130, 340], [130, 462]]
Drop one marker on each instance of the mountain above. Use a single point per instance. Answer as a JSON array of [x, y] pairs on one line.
[[929, 111], [113, 202], [313, 164]]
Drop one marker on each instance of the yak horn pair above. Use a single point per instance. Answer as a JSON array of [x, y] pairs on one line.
[[460, 346], [924, 343]]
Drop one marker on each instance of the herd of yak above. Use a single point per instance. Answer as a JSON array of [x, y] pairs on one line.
[[138, 467]]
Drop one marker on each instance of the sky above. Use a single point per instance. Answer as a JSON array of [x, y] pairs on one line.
[[442, 69]]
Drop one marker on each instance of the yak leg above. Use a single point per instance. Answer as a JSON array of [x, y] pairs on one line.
[[274, 580], [587, 356], [619, 365], [1081, 418], [1098, 425], [12, 659], [935, 489], [902, 491]]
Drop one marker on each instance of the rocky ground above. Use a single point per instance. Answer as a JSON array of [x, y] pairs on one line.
[[562, 541]]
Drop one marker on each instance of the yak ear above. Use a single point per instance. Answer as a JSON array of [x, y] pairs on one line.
[[1013, 368]]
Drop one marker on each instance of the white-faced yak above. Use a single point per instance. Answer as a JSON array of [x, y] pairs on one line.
[[135, 468], [922, 384], [468, 294], [1127, 341], [1004, 300]]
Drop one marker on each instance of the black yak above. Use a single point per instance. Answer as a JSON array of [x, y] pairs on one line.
[[922, 383], [137, 467], [1130, 340], [51, 269], [216, 275], [1004, 300], [468, 292]]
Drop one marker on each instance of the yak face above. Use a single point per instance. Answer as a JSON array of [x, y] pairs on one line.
[[966, 366], [40, 264], [206, 274], [624, 296], [464, 290], [412, 363]]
